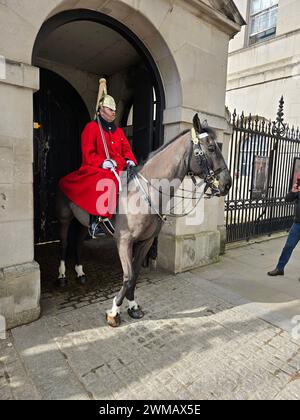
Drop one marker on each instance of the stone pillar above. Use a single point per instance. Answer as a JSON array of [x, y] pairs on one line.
[[183, 247], [19, 274]]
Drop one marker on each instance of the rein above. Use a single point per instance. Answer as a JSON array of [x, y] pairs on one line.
[[147, 197]]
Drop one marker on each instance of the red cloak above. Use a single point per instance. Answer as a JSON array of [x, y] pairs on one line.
[[90, 186]]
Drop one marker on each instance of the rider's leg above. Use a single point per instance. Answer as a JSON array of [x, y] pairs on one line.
[[94, 228]]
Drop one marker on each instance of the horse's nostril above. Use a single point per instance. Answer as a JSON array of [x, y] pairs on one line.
[[228, 186]]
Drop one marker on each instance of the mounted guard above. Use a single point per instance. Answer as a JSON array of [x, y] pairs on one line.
[[194, 152], [106, 152]]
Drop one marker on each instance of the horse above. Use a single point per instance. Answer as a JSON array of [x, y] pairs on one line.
[[193, 152]]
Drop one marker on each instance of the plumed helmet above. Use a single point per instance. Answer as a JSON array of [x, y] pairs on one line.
[[103, 98]]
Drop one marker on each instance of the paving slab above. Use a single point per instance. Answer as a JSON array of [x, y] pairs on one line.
[[220, 332]]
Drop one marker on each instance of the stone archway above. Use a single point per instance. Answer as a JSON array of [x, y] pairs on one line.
[[142, 22], [80, 15], [144, 19], [79, 22], [56, 25]]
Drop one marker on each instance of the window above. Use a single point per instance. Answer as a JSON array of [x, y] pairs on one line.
[[263, 20]]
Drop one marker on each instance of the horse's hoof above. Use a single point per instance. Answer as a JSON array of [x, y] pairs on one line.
[[62, 282], [113, 321], [136, 313], [82, 280]]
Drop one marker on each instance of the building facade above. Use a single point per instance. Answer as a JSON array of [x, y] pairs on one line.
[[264, 60], [164, 61]]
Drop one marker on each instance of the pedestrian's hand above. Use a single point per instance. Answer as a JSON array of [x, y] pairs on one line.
[[295, 188], [108, 164]]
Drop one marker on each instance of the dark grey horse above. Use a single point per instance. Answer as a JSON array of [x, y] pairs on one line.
[[194, 151]]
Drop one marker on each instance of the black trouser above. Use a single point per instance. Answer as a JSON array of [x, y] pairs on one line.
[[291, 243]]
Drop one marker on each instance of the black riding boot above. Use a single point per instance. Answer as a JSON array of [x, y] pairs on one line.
[[94, 228]]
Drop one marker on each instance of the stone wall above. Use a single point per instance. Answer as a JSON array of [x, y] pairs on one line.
[[19, 276], [260, 74], [86, 84]]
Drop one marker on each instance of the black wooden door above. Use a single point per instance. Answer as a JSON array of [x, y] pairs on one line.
[[143, 115], [62, 115]]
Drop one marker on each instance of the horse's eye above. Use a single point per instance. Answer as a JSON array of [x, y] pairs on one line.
[[211, 148]]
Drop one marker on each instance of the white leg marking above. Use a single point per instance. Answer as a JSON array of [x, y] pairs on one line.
[[132, 304], [79, 271], [115, 310], [62, 270]]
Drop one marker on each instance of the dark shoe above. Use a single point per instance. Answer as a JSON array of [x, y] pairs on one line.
[[276, 272]]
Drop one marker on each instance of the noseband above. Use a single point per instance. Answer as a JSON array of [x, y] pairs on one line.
[[210, 176]]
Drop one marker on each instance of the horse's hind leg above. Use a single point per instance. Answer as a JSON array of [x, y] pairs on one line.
[[64, 229], [65, 217], [151, 257], [125, 253], [81, 277]]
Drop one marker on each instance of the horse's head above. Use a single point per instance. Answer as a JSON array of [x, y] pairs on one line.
[[207, 160]]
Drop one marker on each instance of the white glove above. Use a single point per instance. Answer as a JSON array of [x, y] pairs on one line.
[[130, 163], [108, 164]]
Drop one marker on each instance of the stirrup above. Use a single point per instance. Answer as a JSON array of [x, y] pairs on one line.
[[94, 227], [107, 226]]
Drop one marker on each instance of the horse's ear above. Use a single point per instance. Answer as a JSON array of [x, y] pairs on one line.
[[197, 124]]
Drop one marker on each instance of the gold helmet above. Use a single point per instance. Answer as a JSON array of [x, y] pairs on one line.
[[103, 98]]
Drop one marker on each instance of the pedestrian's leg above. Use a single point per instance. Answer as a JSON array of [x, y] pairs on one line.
[[291, 243]]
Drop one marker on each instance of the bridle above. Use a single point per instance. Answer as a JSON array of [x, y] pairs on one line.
[[209, 176]]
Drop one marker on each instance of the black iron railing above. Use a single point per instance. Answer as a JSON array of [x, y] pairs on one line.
[[261, 160]]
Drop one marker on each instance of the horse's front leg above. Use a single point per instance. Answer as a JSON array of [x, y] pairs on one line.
[[140, 252], [125, 253]]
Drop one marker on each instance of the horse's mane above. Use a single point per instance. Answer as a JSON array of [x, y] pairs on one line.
[[205, 129], [164, 146]]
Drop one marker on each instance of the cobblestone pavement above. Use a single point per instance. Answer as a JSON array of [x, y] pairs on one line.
[[195, 342], [101, 264]]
